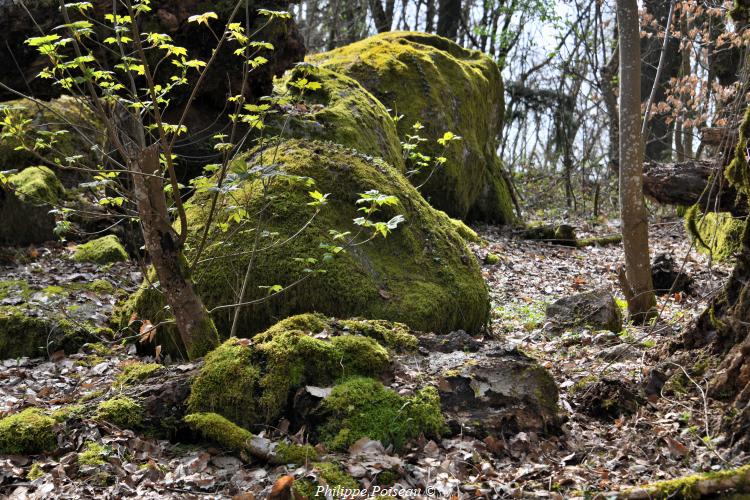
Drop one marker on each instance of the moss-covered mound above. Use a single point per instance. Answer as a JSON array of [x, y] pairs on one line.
[[252, 382], [27, 432], [255, 383], [341, 111], [42, 321], [716, 234], [25, 201], [104, 250], [422, 274], [431, 80]]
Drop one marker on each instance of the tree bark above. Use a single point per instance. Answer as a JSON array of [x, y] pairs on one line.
[[449, 18], [632, 208], [609, 74], [382, 15], [690, 182], [196, 329], [659, 139]]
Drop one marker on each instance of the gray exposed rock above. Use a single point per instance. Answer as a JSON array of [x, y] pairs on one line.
[[596, 309]]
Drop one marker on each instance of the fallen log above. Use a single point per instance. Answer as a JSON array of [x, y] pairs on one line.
[[687, 183], [707, 485], [726, 137]]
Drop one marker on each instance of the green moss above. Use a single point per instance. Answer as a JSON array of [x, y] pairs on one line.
[[104, 250], [422, 274], [432, 80], [227, 384], [98, 348], [135, 372], [332, 476], [68, 412], [717, 234], [252, 382], [289, 453], [221, 431], [396, 336], [491, 259], [94, 454], [362, 407], [27, 432], [24, 334], [101, 286], [55, 118], [37, 185], [121, 411], [687, 487], [35, 472], [341, 111]]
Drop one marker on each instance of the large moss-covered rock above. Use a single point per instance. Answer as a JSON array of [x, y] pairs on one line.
[[430, 79], [422, 274], [341, 111], [718, 234], [37, 321], [68, 123], [26, 199]]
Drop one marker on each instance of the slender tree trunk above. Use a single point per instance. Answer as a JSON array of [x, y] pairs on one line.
[[193, 322], [429, 25], [641, 304], [449, 18]]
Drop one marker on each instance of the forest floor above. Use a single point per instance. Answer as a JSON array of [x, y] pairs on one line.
[[609, 440]]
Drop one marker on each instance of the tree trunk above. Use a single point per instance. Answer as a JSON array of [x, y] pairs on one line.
[[659, 137], [196, 329], [632, 208], [383, 16], [449, 18]]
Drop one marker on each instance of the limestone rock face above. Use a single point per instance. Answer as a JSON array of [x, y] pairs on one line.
[[432, 80]]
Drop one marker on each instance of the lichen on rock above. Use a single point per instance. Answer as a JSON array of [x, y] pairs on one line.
[[434, 81], [27, 432], [104, 250]]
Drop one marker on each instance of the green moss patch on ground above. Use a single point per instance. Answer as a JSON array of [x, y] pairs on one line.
[[27, 432], [37, 185], [432, 80], [104, 250], [121, 411], [251, 383]]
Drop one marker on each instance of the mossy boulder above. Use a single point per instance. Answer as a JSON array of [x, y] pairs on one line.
[[432, 80], [252, 382], [27, 432], [718, 234], [341, 111], [596, 309], [422, 274], [37, 321], [25, 202], [104, 250]]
